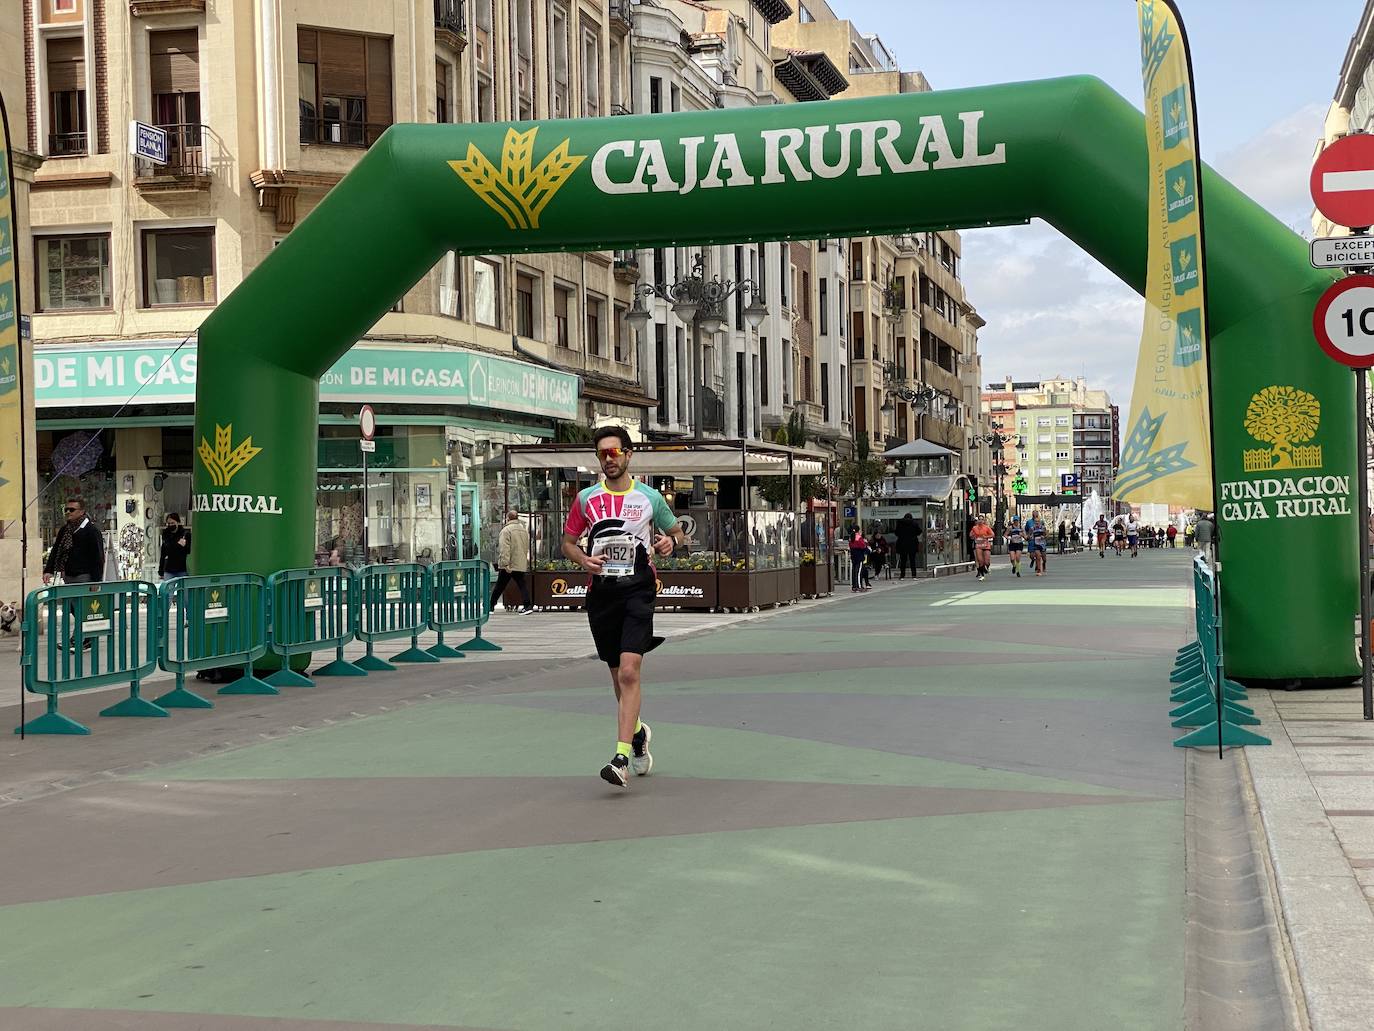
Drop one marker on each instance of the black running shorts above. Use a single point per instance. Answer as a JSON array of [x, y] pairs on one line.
[[621, 614]]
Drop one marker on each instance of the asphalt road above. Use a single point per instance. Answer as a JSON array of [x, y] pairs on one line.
[[952, 806]]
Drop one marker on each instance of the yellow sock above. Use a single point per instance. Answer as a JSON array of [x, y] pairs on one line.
[[623, 748], [638, 726]]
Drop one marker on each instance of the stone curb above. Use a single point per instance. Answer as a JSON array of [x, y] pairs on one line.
[[1327, 919]]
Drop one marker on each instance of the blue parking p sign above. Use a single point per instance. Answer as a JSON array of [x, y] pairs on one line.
[[1068, 483]]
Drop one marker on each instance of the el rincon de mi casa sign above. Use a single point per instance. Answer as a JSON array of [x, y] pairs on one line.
[[1069, 151]]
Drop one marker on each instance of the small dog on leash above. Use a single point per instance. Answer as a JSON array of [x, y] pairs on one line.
[[9, 615]]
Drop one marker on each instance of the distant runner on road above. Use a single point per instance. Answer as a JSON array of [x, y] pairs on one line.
[[981, 535], [622, 521], [1133, 535], [1035, 530], [1016, 543], [1103, 530]]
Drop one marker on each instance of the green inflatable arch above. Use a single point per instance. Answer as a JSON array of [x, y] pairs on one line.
[[1068, 150]]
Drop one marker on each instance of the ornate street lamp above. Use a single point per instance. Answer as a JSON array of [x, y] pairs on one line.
[[701, 303]]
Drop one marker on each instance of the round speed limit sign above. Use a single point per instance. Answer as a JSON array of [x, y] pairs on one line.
[[1344, 321]]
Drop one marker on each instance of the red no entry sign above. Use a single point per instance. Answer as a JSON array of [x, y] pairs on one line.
[[1344, 321], [1343, 181]]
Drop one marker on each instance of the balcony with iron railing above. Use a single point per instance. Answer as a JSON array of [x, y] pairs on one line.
[[67, 144], [450, 24], [340, 132], [622, 15], [187, 168]]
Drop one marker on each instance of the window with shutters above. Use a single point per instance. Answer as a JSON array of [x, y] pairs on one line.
[[558, 48], [450, 286], [661, 371], [595, 307], [824, 304], [562, 302], [617, 90], [591, 70], [522, 30], [486, 292], [443, 112], [484, 66], [622, 332], [763, 370], [346, 87], [178, 267], [526, 287], [174, 77], [66, 96]]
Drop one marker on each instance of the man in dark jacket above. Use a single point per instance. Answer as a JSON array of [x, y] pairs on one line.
[[908, 534], [176, 548], [78, 553]]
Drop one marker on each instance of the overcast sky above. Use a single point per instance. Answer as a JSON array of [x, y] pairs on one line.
[[1266, 72]]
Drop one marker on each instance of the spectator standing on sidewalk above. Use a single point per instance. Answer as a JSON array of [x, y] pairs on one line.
[[878, 550], [176, 548], [858, 560], [1172, 534], [1063, 537], [513, 561], [908, 538], [78, 553]]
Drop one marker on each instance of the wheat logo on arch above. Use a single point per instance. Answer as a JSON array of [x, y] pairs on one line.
[[1286, 418], [224, 460], [518, 191]]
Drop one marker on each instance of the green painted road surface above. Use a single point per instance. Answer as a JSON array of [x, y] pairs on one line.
[[949, 806]]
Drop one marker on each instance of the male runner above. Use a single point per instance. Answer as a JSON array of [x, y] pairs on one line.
[[622, 520], [1016, 543], [1102, 529], [1133, 535], [982, 546]]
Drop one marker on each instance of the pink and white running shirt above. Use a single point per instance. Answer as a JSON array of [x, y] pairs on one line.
[[620, 525]]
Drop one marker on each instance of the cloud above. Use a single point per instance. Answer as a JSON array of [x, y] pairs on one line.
[[1052, 310], [1274, 166]]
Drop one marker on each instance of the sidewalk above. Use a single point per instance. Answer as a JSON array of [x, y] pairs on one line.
[[942, 805], [1315, 790]]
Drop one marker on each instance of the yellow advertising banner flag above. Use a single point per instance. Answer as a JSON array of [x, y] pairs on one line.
[[11, 411], [1167, 455]]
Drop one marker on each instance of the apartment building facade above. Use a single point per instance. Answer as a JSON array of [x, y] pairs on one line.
[[691, 57], [911, 327], [1056, 427], [266, 106]]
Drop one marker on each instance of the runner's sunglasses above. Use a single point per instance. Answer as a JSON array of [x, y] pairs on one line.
[[612, 452]]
